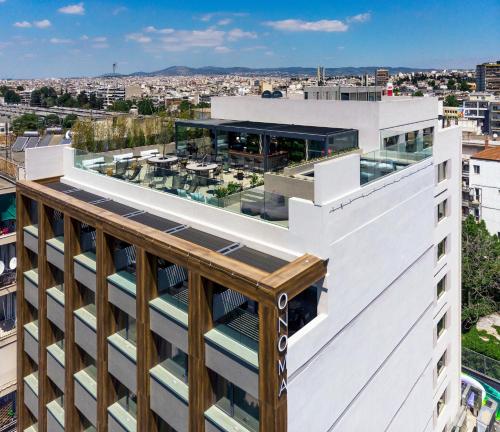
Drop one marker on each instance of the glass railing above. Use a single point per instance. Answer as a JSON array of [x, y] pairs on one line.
[[238, 191], [481, 363], [379, 163], [247, 414], [241, 326], [129, 404], [177, 366]]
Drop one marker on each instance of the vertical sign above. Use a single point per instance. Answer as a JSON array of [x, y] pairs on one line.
[[282, 344]]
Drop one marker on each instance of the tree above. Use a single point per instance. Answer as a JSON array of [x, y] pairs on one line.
[[121, 106], [52, 120], [146, 107], [82, 99], [418, 93], [26, 122], [11, 97], [70, 120], [95, 102], [480, 272], [67, 101], [451, 84], [451, 101], [20, 88], [464, 86]]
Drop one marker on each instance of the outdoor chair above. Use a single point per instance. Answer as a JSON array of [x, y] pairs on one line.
[[194, 185], [134, 177], [121, 169]]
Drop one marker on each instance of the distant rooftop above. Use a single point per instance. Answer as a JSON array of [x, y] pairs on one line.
[[491, 154]]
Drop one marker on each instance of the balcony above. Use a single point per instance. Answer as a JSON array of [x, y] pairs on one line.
[[31, 287], [32, 428], [122, 291], [122, 360], [55, 252], [55, 364], [85, 329], [121, 418], [169, 317], [31, 237], [31, 393], [85, 269], [55, 305], [169, 397], [86, 393], [216, 420], [231, 349], [55, 415], [31, 333]]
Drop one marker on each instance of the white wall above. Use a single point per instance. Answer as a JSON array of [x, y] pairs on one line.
[[44, 162], [488, 180], [367, 117]]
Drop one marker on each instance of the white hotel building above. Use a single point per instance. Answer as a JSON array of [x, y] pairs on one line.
[[381, 351]]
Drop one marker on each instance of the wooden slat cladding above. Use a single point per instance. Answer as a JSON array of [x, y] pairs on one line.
[[105, 327], [205, 268], [147, 289], [72, 301], [200, 321], [45, 338], [22, 312]]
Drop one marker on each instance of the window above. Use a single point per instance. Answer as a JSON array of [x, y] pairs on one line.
[[477, 169], [441, 286], [236, 403], [172, 359], [441, 364], [442, 171], [441, 249], [441, 403], [441, 210], [441, 326]]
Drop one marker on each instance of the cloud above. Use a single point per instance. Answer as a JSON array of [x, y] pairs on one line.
[[360, 18], [295, 25], [75, 9], [100, 39], [119, 10], [84, 37], [225, 21], [100, 45], [210, 16], [183, 40], [138, 37], [237, 34], [58, 41], [152, 29], [222, 49], [22, 24], [43, 24]]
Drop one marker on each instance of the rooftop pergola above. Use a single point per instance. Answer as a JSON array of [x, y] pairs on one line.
[[322, 136]]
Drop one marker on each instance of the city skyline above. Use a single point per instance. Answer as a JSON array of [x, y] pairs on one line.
[[60, 39]]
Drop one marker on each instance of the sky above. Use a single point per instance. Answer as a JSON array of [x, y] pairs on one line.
[[59, 38]]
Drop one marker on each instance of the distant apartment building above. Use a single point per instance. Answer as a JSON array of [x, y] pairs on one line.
[[484, 187], [488, 77], [133, 92], [8, 330], [344, 93], [494, 118], [381, 77], [477, 107], [110, 94], [25, 97], [325, 299]]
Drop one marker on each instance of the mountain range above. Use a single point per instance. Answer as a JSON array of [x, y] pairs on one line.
[[290, 71]]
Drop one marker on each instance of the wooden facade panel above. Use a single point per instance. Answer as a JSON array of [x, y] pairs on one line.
[[204, 267]]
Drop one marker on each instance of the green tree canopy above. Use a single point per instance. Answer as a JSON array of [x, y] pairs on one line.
[[11, 97], [70, 120], [464, 86], [451, 84], [418, 93], [121, 106], [52, 120], [26, 122], [451, 101], [480, 272]]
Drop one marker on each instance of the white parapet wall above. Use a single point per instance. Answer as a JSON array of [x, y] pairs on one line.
[[44, 162]]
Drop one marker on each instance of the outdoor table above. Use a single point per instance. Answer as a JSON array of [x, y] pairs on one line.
[[201, 169], [163, 161]]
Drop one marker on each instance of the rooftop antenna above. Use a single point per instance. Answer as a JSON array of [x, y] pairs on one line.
[[115, 65]]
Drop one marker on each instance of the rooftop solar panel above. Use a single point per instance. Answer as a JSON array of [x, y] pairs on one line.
[[61, 187], [156, 222], [85, 196], [203, 239], [19, 144], [32, 142], [257, 259], [44, 142], [116, 207]]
